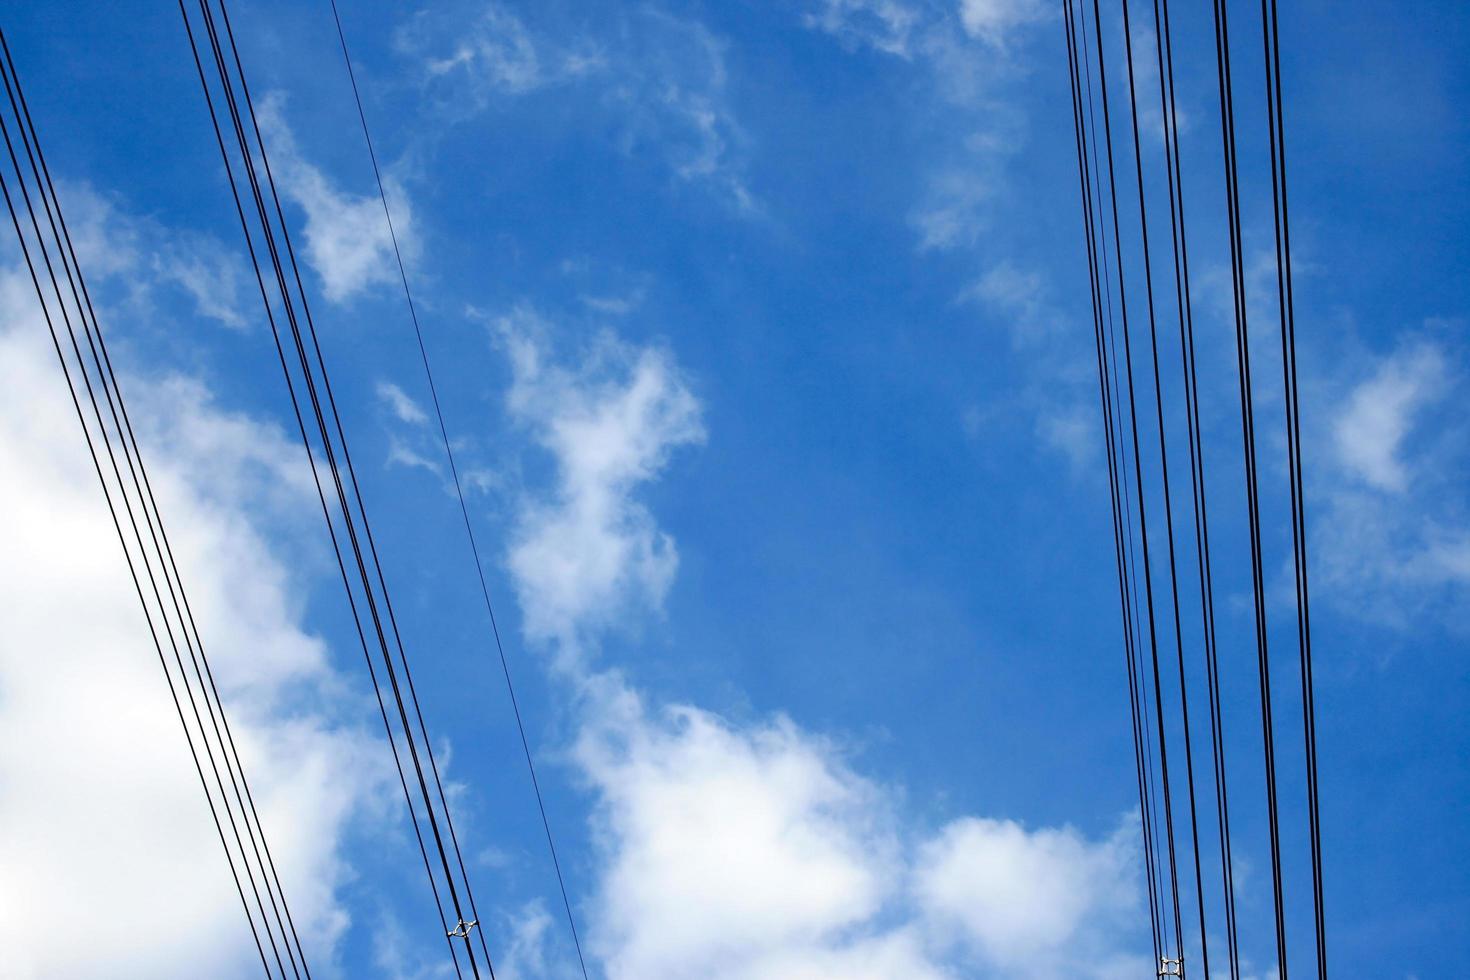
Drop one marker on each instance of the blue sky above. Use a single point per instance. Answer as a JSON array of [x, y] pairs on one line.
[[763, 334]]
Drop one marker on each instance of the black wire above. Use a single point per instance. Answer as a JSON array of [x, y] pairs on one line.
[[112, 509], [1175, 175], [1168, 495], [262, 215], [458, 489], [154, 519], [1138, 475], [362, 511], [1127, 582], [1271, 37], [296, 407], [1105, 399], [280, 350], [1247, 416]]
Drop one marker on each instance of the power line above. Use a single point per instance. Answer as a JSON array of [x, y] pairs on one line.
[[1271, 39], [161, 553], [1163, 42], [351, 510], [1098, 285], [1138, 475], [1168, 497], [1248, 437], [458, 489]]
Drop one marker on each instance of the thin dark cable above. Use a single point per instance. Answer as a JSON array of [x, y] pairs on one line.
[[1271, 36], [154, 520], [362, 512], [1247, 415], [262, 215], [1168, 495], [133, 522], [458, 489], [112, 510], [1138, 475], [301, 426], [1128, 581], [1105, 402], [1175, 176]]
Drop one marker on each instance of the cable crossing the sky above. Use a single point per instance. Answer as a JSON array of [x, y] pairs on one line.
[[247, 167], [458, 488], [1149, 492], [149, 556]]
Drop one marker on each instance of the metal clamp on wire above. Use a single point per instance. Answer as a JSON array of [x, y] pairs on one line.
[[1171, 967], [462, 931]]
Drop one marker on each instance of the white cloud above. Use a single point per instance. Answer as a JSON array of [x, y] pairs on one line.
[[993, 21], [960, 200], [1388, 511], [490, 54], [663, 77], [754, 851], [1380, 411], [404, 408], [582, 556], [97, 794], [347, 242], [1030, 901], [886, 25], [111, 242]]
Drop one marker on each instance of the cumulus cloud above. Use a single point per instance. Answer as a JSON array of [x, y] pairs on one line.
[[755, 850], [591, 550], [97, 792], [1030, 902], [346, 235]]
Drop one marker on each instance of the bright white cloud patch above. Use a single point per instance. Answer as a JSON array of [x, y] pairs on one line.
[[346, 235], [755, 851], [591, 550], [104, 820], [1030, 902]]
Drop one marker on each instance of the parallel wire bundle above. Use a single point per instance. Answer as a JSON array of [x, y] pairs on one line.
[[102, 412], [267, 236], [1100, 208]]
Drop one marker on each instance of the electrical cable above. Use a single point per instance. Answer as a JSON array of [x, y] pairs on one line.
[[61, 241], [458, 489], [1271, 38], [1247, 415]]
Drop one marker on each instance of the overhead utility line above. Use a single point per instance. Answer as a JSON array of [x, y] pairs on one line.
[[1101, 216], [458, 489], [285, 299], [146, 547]]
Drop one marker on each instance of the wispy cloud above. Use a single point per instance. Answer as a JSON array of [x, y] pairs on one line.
[[154, 260], [1389, 511], [753, 851], [347, 239], [662, 76]]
